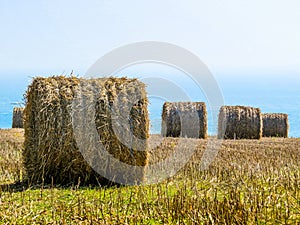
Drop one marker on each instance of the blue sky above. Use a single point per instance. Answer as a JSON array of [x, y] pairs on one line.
[[237, 40]]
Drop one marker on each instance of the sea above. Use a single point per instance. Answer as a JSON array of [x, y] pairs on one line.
[[271, 93]]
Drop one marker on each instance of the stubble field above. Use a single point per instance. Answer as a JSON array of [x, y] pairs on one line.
[[249, 182]]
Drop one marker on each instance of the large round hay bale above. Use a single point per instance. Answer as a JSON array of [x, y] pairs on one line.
[[275, 125], [239, 122], [51, 152], [17, 121], [184, 119]]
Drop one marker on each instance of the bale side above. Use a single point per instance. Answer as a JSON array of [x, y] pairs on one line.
[[18, 118], [51, 151], [239, 122], [122, 114], [275, 125], [184, 119]]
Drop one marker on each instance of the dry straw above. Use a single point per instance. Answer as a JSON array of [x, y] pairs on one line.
[[240, 122], [17, 118], [184, 119], [51, 152], [275, 125]]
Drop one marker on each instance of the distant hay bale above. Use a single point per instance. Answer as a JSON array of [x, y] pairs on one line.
[[17, 118], [51, 152], [275, 125], [239, 122], [184, 119]]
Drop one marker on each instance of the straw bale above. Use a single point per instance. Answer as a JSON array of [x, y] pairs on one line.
[[184, 119], [275, 125], [240, 122], [17, 118], [51, 151]]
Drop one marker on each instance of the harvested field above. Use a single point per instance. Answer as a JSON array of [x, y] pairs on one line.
[[250, 182], [11, 147]]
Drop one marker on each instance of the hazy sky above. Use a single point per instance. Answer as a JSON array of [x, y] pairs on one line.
[[230, 36], [250, 46]]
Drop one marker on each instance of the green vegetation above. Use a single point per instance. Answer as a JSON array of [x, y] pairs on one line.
[[250, 182]]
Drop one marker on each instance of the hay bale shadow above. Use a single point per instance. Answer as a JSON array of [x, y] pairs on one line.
[[25, 185]]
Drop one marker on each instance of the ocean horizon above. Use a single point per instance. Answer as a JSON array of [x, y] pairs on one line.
[[272, 96]]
